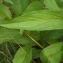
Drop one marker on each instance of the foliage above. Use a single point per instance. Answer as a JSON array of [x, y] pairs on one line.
[[31, 31]]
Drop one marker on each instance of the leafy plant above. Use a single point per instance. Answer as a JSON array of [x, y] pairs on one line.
[[31, 31]]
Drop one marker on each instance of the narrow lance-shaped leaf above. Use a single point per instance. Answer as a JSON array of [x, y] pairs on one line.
[[4, 11], [51, 5], [9, 1], [19, 6], [37, 20], [35, 5], [24, 4], [16, 6]]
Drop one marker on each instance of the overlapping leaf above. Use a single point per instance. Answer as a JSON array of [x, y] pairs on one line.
[[19, 6], [35, 5], [37, 20], [54, 34], [5, 36], [51, 5], [59, 3], [4, 11], [1, 18], [9, 1], [24, 4]]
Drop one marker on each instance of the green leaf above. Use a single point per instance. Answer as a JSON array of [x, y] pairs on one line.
[[9, 1], [16, 6], [23, 55], [53, 34], [59, 3], [35, 35], [19, 6], [35, 5], [12, 35], [2, 19], [4, 11], [36, 53], [43, 37], [51, 5], [5, 36], [37, 20], [24, 4], [23, 40], [35, 0], [52, 41], [52, 54]]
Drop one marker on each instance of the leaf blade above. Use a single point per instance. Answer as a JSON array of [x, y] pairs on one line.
[[52, 54], [43, 20], [23, 55], [4, 11], [51, 5]]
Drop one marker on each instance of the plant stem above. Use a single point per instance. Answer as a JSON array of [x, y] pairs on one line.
[[34, 40], [4, 55], [18, 44]]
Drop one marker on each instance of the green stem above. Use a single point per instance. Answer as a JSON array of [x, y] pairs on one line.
[[34, 40]]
